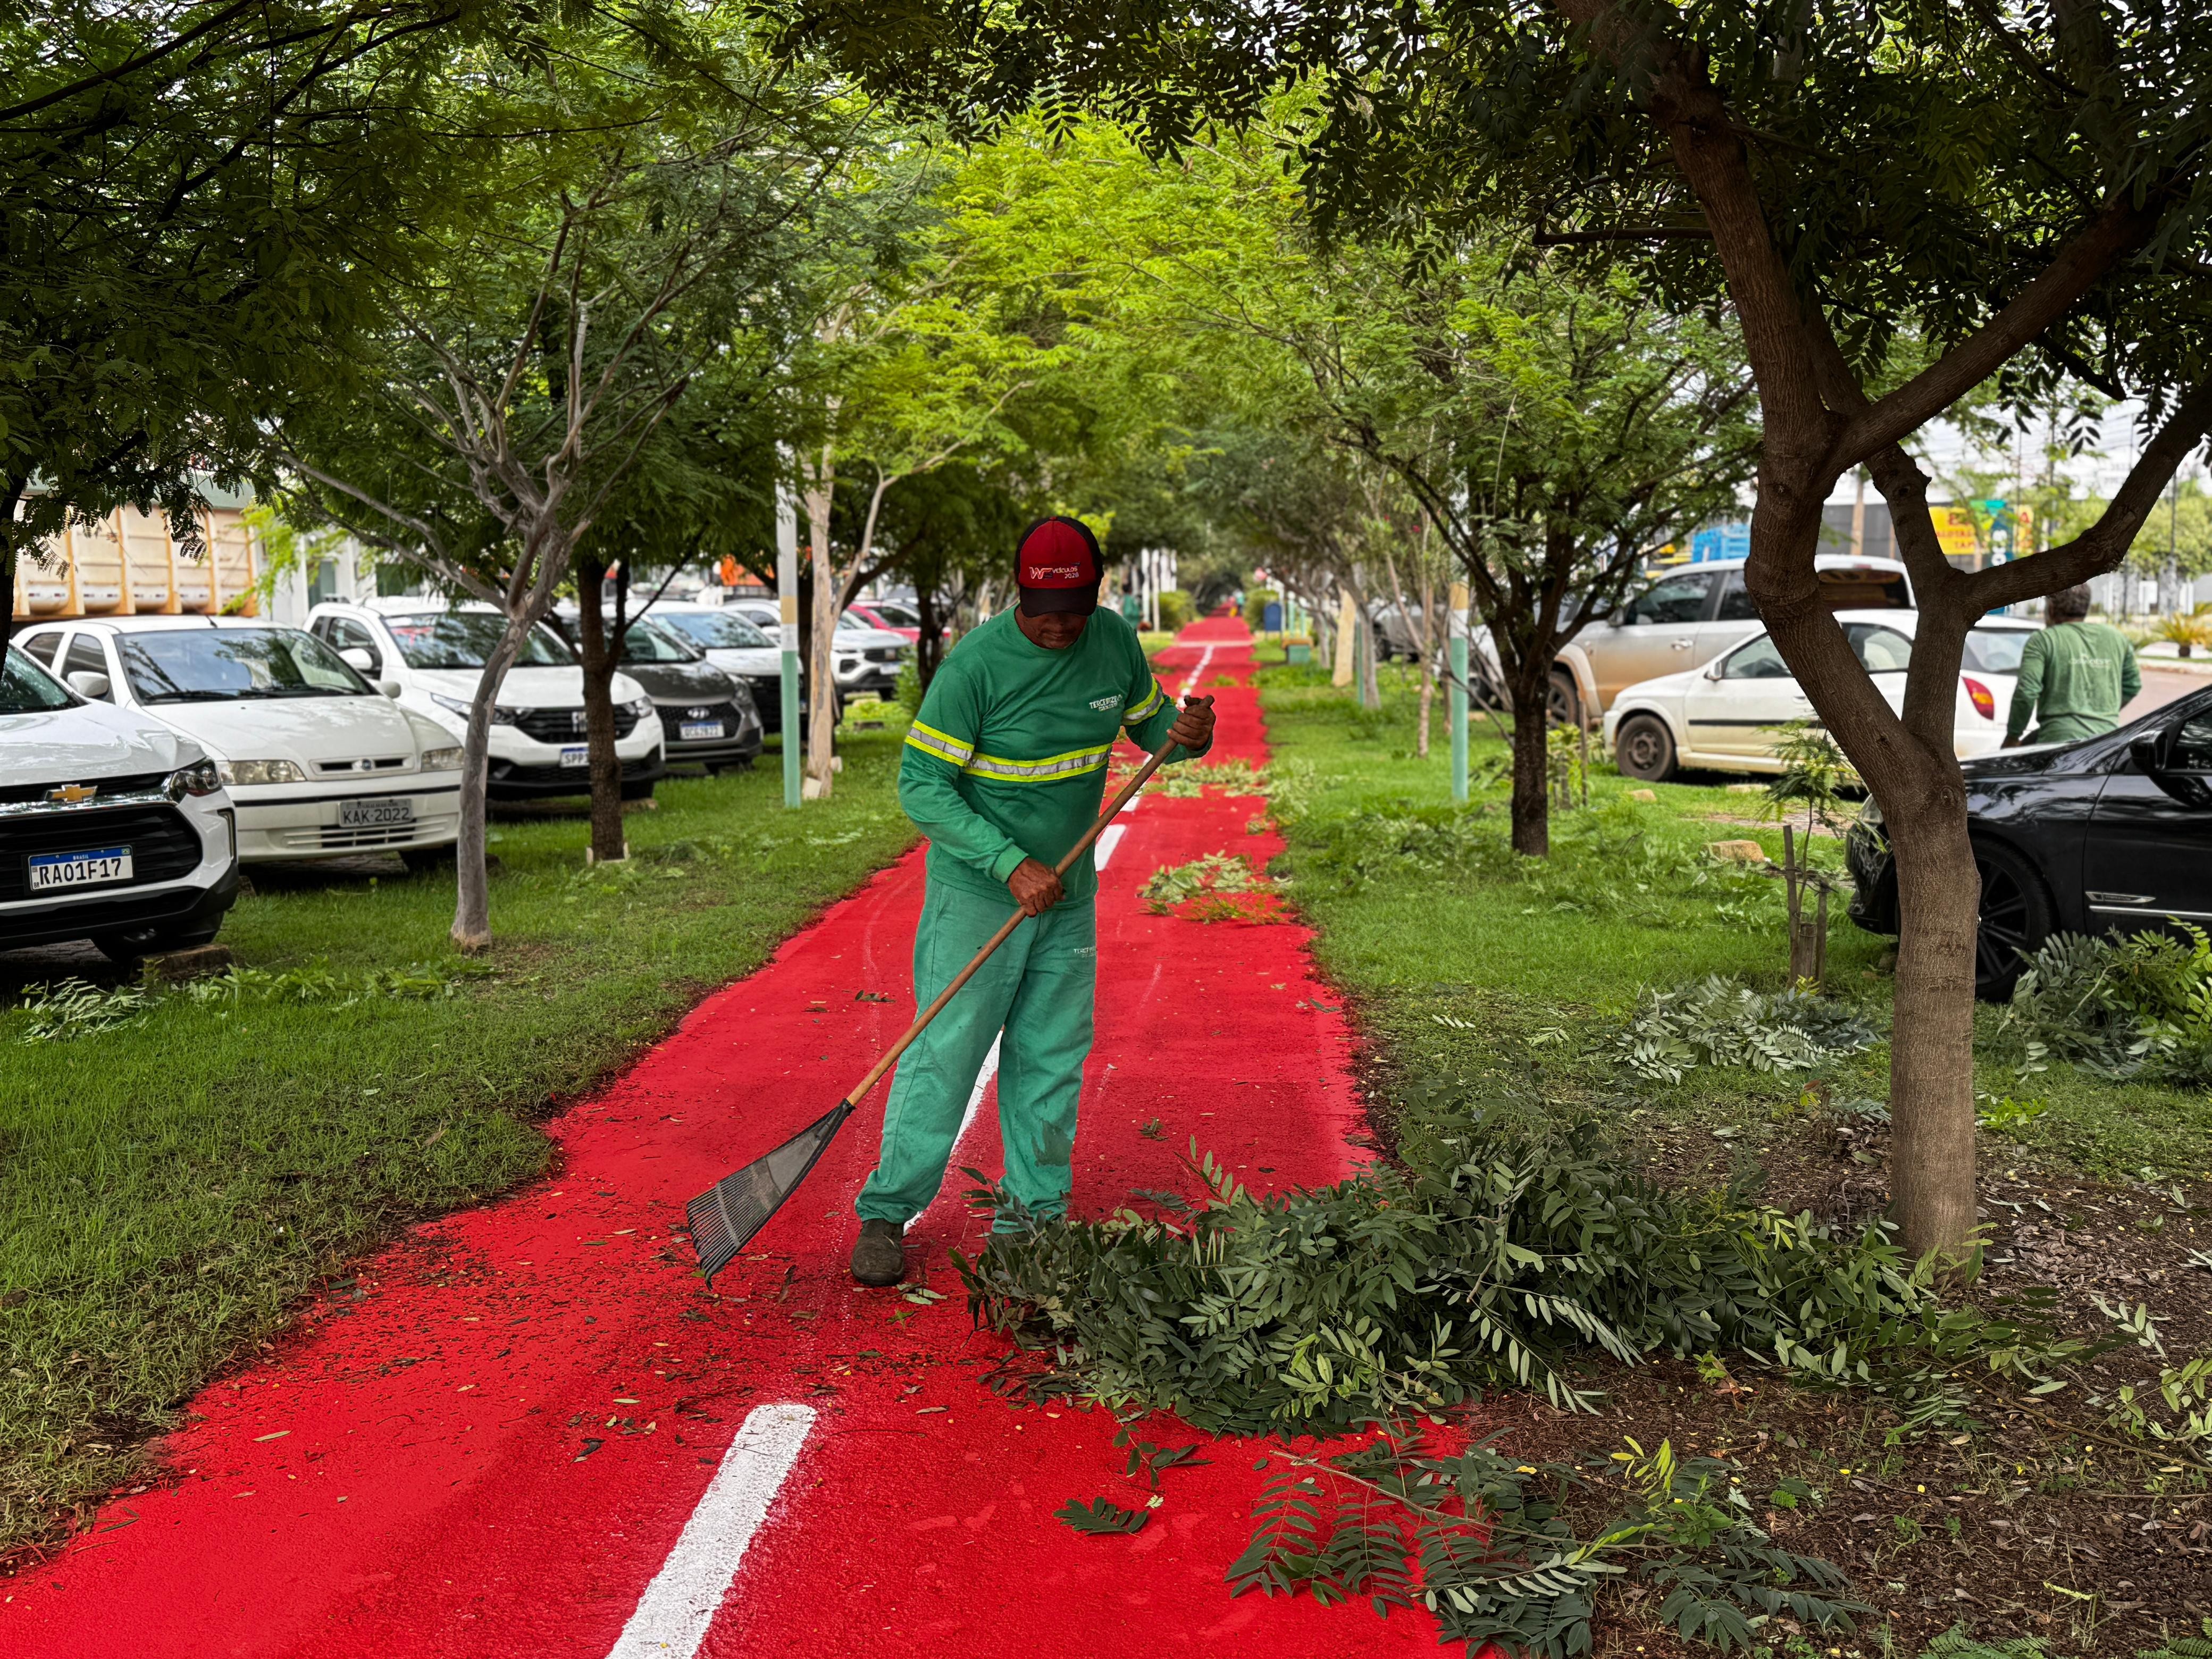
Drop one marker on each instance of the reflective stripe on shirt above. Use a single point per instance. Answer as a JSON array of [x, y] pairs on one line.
[[1143, 711], [1072, 764], [942, 745]]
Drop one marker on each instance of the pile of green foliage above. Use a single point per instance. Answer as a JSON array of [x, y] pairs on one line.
[[1530, 1240], [1499, 1561], [1717, 1021], [2139, 1006]]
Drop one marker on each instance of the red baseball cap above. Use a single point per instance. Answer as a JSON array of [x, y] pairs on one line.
[[1056, 567]]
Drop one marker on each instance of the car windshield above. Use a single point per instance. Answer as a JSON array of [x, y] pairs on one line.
[[27, 688], [1879, 650], [464, 639], [233, 665], [643, 642], [897, 615], [1995, 650], [849, 623], [715, 631], [1864, 587]]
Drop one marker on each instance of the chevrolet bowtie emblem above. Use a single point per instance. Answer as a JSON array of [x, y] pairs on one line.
[[71, 794]]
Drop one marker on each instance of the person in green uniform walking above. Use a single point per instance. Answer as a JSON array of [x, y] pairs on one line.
[[1005, 768], [2075, 676]]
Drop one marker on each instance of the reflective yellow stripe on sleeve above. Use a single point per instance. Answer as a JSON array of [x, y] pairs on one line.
[[941, 745], [1143, 711]]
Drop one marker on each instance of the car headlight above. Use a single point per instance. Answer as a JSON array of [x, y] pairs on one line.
[[499, 717], [260, 771], [202, 777], [442, 759], [641, 708]]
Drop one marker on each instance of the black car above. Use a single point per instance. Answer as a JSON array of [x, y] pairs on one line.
[[2112, 832], [708, 716]]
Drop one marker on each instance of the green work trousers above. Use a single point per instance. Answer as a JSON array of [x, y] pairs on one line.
[[1038, 988]]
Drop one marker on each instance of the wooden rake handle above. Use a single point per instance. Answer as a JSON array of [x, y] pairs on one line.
[[1112, 811]]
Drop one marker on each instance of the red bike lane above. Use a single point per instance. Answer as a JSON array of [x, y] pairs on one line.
[[528, 1430]]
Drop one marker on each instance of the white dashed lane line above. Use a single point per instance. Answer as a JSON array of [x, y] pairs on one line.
[[679, 1604]]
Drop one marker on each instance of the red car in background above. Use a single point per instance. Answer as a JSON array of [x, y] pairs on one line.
[[893, 616]]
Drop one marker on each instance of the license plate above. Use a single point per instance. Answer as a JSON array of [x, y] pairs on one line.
[[576, 754], [375, 812], [691, 730], [86, 869]]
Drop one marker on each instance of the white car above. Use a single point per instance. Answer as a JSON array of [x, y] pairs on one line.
[[1725, 716], [1687, 615], [113, 828], [868, 659], [735, 644], [317, 762], [432, 654]]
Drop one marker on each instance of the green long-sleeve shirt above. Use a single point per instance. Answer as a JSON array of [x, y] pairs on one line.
[[1007, 758], [2075, 678]]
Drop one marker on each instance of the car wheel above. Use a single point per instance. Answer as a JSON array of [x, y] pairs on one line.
[[421, 860], [1563, 700], [1644, 748], [2015, 918]]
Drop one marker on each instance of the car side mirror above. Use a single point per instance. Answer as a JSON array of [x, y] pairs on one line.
[[390, 688], [1712, 670], [2153, 754], [86, 682], [359, 657]]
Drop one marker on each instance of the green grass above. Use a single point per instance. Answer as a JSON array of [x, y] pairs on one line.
[[168, 1189], [1545, 959]]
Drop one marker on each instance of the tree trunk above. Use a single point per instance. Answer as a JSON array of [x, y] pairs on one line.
[[929, 645], [472, 880], [1428, 698], [822, 664], [1532, 778], [600, 657], [1932, 1053]]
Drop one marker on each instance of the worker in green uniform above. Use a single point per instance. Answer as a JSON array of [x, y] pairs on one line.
[[1004, 769], [2075, 676]]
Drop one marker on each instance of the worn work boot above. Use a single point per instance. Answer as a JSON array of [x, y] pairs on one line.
[[880, 1256]]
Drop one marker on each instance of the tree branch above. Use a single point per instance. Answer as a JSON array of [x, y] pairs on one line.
[[2104, 545]]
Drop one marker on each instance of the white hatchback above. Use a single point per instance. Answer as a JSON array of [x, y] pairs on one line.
[[433, 656], [1726, 716], [317, 764], [112, 827]]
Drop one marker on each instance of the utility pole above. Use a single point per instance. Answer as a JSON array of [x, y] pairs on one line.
[[787, 597], [1455, 631]]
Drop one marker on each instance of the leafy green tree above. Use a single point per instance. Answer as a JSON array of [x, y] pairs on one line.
[[1555, 426], [946, 531], [2021, 192], [581, 280], [202, 200]]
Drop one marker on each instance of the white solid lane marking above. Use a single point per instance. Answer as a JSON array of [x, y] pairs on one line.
[[1109, 839], [1204, 657], [679, 1604]]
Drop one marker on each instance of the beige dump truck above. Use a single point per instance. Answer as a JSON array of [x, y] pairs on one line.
[[130, 563]]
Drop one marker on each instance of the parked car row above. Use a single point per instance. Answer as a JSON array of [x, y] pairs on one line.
[[144, 758]]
